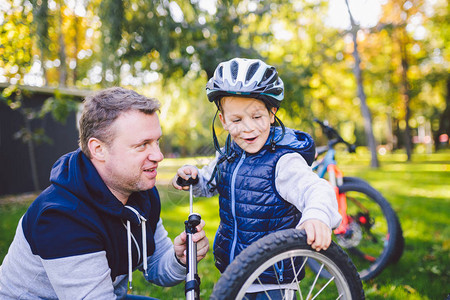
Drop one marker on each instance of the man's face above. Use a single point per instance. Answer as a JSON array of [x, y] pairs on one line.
[[247, 120], [132, 158]]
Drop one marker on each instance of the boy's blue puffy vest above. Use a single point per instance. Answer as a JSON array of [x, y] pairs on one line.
[[250, 206]]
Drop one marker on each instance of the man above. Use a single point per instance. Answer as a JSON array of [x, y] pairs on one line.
[[100, 218]]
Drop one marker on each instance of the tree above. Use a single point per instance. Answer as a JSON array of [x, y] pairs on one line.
[[361, 94], [437, 69], [396, 17], [16, 43], [41, 22], [153, 45]]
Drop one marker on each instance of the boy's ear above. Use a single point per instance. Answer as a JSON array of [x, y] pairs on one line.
[[222, 120], [97, 149], [273, 111]]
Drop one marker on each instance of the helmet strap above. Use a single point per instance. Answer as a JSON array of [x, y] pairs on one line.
[[215, 141], [227, 152], [273, 143], [224, 155]]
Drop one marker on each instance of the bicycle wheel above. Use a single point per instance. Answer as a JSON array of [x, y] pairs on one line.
[[289, 245], [374, 237], [399, 245]]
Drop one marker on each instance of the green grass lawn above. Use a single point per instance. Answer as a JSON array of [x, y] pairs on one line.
[[418, 191]]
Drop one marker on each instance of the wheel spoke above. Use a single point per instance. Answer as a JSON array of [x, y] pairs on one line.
[[373, 237], [320, 291], [358, 203], [373, 249], [276, 273], [315, 280], [262, 285], [290, 247], [296, 274], [355, 251]]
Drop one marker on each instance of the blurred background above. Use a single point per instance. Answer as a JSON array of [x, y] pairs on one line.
[[377, 70]]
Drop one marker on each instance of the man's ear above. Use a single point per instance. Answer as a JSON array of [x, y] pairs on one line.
[[97, 149], [222, 120]]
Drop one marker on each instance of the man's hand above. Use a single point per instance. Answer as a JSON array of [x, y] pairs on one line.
[[199, 237], [318, 234], [184, 172]]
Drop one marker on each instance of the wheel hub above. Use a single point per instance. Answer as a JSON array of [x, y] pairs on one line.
[[351, 237]]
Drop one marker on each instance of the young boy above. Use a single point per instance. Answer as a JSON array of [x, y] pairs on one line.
[[263, 174]]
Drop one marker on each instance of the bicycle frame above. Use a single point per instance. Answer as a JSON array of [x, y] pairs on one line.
[[336, 178], [192, 285]]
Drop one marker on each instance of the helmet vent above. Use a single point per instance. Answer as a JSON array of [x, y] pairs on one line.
[[234, 69], [248, 77], [251, 71], [268, 74]]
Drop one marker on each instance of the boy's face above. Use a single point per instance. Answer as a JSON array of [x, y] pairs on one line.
[[247, 120]]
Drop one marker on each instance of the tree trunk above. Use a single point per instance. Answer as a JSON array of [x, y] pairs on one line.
[[361, 95], [75, 51], [390, 137], [31, 153], [444, 120], [406, 96], [40, 18], [62, 50]]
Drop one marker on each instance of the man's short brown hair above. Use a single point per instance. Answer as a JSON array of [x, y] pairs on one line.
[[101, 109]]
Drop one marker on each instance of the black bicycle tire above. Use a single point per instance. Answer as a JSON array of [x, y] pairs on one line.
[[229, 284], [399, 244], [394, 248]]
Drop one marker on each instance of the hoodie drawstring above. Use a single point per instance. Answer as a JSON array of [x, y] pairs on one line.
[[130, 237], [130, 261], [144, 246]]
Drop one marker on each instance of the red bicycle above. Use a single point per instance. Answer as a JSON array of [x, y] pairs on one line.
[[370, 231]]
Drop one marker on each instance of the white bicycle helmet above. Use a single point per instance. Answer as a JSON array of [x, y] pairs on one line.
[[248, 78]]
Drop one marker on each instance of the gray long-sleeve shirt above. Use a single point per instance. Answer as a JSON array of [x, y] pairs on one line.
[[296, 183], [27, 276]]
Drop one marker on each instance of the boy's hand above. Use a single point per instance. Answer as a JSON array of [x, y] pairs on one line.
[[184, 172], [318, 234], [199, 237]]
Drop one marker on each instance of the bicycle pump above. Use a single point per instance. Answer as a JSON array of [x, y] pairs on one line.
[[192, 287]]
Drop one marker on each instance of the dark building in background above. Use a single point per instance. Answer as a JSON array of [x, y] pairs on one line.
[[15, 163]]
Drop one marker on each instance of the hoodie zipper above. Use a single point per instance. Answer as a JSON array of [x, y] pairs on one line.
[[233, 205]]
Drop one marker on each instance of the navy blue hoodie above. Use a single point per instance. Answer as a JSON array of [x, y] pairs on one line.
[[79, 210], [77, 217]]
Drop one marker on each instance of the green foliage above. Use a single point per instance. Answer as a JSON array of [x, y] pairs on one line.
[[186, 118], [59, 106], [41, 23], [16, 41], [11, 210], [112, 16], [153, 45]]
